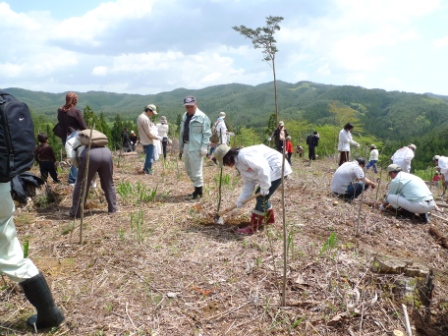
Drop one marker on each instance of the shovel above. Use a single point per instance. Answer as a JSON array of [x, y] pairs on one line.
[[218, 218]]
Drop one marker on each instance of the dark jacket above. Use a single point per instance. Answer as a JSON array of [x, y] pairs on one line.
[[312, 140], [276, 135], [71, 121]]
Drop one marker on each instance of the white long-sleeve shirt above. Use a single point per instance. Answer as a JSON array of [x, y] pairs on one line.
[[221, 129], [259, 165], [374, 155], [403, 158], [345, 139]]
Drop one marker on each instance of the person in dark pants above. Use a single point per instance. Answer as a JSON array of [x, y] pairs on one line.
[[162, 129], [44, 155], [261, 169], [279, 135], [22, 270], [126, 141], [349, 180], [345, 140], [134, 139], [312, 141], [101, 163]]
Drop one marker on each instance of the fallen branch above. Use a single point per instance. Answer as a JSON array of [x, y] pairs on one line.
[[444, 219]]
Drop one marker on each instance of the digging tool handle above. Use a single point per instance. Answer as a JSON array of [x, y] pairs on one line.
[[233, 207]]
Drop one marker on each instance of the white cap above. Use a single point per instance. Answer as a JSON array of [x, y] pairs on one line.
[[151, 107]]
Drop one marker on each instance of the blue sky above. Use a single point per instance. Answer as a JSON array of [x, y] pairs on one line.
[[150, 46]]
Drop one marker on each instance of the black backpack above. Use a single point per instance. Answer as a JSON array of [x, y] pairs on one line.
[[16, 137]]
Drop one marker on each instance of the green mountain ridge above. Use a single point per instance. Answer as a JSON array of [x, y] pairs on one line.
[[394, 117]]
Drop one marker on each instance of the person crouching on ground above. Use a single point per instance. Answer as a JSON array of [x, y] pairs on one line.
[[261, 167], [349, 180], [408, 194]]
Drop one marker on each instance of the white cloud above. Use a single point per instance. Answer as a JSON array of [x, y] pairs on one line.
[[146, 46]]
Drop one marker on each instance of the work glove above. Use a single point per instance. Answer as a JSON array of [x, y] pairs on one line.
[[264, 192], [239, 204], [269, 139], [203, 152], [382, 207]]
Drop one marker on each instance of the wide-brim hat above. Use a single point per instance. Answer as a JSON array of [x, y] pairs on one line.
[[219, 154], [151, 107]]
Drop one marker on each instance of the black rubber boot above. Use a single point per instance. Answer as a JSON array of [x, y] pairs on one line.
[[197, 193], [425, 217], [37, 292]]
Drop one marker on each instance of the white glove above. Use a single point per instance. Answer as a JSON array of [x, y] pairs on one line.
[[358, 145], [203, 152], [382, 207], [269, 139], [239, 204], [264, 192]]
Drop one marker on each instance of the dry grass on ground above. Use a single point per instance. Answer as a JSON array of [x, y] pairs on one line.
[[161, 266]]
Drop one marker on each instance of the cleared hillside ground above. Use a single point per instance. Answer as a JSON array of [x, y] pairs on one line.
[[161, 266]]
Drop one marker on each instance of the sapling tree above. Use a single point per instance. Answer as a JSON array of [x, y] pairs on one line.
[[263, 38]]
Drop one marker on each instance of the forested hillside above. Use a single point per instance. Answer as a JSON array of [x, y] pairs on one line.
[[391, 118]]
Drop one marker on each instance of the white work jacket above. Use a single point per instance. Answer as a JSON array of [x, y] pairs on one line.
[[259, 165], [403, 158], [345, 139]]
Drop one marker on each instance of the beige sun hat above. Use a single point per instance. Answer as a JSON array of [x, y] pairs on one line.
[[151, 107], [219, 154], [393, 168]]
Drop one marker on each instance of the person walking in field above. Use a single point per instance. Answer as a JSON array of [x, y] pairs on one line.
[[373, 159], [404, 156], [345, 140], [261, 169], [194, 139]]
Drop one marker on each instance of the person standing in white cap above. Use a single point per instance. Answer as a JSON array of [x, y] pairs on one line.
[[147, 136], [408, 194], [163, 129], [404, 156], [279, 135], [194, 138], [221, 128]]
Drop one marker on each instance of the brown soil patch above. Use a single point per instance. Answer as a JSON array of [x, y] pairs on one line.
[[161, 266]]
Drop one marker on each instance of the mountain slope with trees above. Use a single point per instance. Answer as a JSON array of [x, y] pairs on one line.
[[392, 118]]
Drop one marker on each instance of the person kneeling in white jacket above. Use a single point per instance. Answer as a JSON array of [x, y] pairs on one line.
[[261, 167]]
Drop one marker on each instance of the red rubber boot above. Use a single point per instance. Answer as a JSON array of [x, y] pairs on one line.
[[270, 217], [255, 222]]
